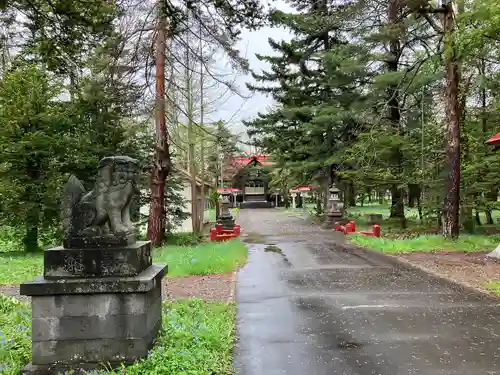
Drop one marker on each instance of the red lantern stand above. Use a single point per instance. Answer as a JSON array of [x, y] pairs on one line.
[[219, 234], [350, 228]]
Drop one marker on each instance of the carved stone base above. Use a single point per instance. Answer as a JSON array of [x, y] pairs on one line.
[[80, 263], [226, 221], [90, 323], [332, 218], [94, 242]]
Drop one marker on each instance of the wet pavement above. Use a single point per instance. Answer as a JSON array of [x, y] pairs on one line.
[[308, 305]]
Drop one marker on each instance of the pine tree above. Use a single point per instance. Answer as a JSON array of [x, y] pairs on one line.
[[316, 80]]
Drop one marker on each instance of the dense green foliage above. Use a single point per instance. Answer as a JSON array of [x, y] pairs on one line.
[[175, 203], [358, 93], [50, 129], [75, 86], [196, 338]]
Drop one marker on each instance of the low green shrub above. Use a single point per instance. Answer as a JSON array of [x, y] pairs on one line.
[[15, 335], [183, 239], [197, 338]]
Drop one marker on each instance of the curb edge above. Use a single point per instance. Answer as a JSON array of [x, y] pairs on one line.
[[232, 294]]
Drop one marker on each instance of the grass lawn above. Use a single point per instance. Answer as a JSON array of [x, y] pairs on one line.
[[202, 259], [494, 286], [197, 338], [397, 240], [465, 243], [17, 267], [15, 335], [410, 213]]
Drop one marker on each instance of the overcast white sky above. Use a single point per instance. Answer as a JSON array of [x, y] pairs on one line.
[[237, 108]]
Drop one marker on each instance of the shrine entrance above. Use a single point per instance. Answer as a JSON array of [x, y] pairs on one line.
[[253, 180], [255, 191]]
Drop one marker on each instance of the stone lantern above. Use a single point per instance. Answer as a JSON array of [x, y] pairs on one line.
[[225, 218], [294, 196], [335, 208]]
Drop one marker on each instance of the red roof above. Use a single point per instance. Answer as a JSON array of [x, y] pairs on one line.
[[243, 161], [494, 141], [302, 188], [228, 190]]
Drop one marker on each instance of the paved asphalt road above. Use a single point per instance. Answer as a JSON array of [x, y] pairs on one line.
[[307, 306]]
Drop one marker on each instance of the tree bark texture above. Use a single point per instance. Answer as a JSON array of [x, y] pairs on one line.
[[195, 219], [162, 163], [451, 204], [397, 202]]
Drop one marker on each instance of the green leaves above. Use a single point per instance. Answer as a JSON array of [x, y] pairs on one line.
[[43, 139], [15, 335], [197, 338]]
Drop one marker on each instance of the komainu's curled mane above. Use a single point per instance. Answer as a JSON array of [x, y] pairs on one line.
[[104, 212]]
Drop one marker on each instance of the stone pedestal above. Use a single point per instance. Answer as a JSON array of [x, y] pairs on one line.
[[127, 261], [94, 308], [227, 222], [225, 218], [332, 218], [88, 242], [334, 215]]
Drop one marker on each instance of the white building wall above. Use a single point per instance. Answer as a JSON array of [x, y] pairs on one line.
[[187, 224]]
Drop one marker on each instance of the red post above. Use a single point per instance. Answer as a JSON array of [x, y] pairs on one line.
[[237, 230], [348, 228], [219, 228], [376, 230], [353, 226], [336, 227], [213, 234]]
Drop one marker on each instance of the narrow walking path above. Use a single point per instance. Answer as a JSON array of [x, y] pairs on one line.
[[308, 306]]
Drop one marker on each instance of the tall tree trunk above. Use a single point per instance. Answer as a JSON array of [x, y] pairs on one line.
[[162, 163], [414, 191], [484, 127], [195, 219], [381, 196], [419, 208], [491, 196], [30, 239], [451, 206], [328, 181], [352, 195], [478, 218], [397, 202], [202, 138], [466, 213], [217, 207], [32, 225]]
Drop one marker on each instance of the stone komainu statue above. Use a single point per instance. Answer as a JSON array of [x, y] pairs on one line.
[[101, 217]]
